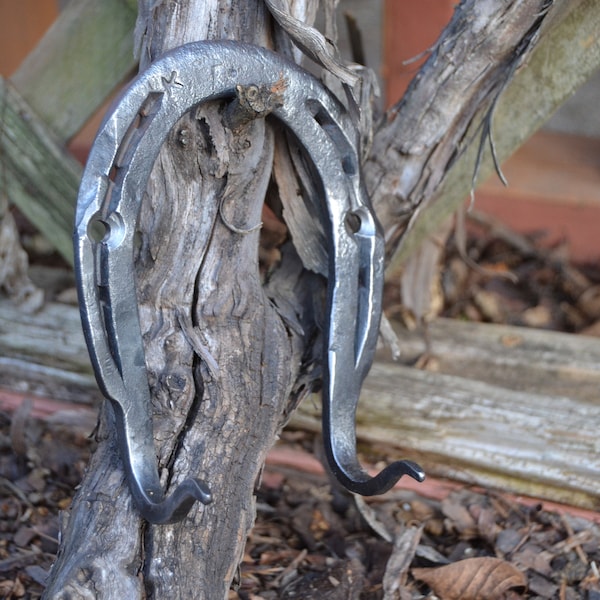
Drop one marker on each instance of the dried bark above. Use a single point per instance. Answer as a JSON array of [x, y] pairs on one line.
[[227, 357], [14, 280], [221, 359]]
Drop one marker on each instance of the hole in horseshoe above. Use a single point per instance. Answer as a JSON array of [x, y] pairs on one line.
[[353, 222], [348, 165], [110, 230], [97, 230], [332, 129], [138, 240]]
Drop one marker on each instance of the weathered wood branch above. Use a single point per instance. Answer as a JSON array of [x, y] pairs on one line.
[[506, 407], [424, 132], [77, 64], [44, 353], [40, 176], [422, 165]]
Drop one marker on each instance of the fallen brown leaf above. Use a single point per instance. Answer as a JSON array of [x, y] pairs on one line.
[[402, 555], [483, 578]]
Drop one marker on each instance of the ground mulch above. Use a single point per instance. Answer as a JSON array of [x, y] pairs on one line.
[[314, 540]]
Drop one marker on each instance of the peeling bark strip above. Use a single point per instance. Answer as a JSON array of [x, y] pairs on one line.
[[226, 363]]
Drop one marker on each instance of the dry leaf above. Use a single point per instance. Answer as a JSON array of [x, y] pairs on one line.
[[420, 281], [318, 525], [459, 517], [402, 555], [370, 516], [483, 578], [532, 556]]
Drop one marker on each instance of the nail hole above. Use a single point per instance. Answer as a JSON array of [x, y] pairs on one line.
[[110, 231], [97, 230], [348, 165], [138, 240], [352, 222], [112, 174], [332, 129]]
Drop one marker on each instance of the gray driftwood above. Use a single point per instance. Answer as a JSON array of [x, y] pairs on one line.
[[565, 56], [225, 356], [500, 406]]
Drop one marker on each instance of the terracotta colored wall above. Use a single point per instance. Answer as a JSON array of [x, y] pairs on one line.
[[410, 28], [22, 24]]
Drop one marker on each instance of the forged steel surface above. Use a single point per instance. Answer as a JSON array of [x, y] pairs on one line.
[[108, 205]]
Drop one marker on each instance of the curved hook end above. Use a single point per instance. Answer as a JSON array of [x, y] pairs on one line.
[[176, 506], [388, 477], [356, 480], [414, 470]]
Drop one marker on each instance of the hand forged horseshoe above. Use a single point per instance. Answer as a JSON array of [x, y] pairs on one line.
[[110, 196]]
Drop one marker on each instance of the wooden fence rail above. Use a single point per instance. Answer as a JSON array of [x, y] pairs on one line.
[[79, 62], [506, 407]]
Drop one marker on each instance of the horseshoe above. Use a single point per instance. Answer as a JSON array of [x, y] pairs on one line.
[[108, 205]]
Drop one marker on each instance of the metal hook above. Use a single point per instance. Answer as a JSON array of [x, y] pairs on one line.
[[354, 317], [110, 195]]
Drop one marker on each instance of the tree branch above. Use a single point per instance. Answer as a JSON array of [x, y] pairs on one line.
[[201, 304], [422, 161], [566, 56]]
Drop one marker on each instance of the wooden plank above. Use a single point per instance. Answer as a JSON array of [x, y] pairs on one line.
[[78, 63], [51, 337], [41, 177], [509, 407], [517, 358], [80, 60], [531, 444], [45, 353]]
